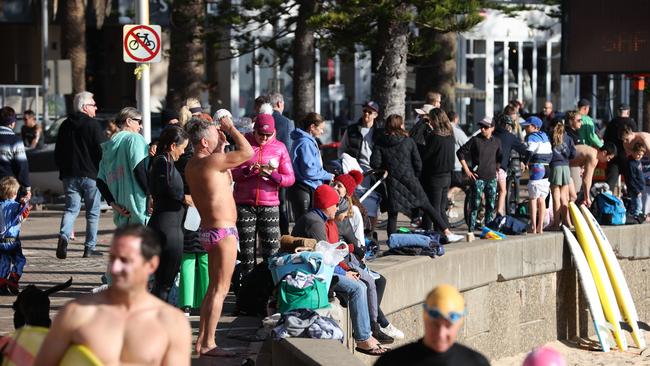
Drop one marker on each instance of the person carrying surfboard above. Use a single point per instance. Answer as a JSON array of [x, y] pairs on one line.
[[443, 313], [587, 158], [124, 324]]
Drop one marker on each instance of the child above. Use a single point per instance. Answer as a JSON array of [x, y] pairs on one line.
[[636, 183], [485, 153], [13, 213], [541, 152], [560, 176]]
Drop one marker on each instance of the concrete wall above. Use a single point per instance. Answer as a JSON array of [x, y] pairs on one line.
[[520, 292]]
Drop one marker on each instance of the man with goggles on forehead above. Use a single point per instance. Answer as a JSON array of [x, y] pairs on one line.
[[443, 313]]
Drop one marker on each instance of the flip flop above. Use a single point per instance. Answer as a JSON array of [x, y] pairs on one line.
[[218, 352], [377, 351]]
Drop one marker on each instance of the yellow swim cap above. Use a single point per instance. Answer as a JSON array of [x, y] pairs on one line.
[[445, 300]]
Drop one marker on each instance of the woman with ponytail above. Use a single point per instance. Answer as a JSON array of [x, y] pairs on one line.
[[560, 177], [192, 108], [166, 189]]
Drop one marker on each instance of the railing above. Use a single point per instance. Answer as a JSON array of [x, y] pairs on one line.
[[23, 97]]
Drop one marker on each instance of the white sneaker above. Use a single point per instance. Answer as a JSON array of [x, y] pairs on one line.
[[391, 331], [452, 238]]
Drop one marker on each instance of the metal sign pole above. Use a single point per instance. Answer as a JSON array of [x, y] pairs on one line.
[[143, 88], [45, 120]]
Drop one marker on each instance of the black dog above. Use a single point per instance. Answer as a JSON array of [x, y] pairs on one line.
[[32, 306]]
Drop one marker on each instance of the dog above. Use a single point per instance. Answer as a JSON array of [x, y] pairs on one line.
[[32, 306]]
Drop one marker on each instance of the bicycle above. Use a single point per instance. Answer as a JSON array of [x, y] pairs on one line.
[[134, 44]]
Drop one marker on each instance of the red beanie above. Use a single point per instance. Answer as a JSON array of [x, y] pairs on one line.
[[325, 197], [350, 180]]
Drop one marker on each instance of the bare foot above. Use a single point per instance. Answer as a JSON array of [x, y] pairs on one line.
[[215, 352]]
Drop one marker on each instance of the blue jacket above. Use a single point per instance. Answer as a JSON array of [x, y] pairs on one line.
[[283, 127], [9, 222], [306, 160], [539, 147], [564, 152], [636, 183]]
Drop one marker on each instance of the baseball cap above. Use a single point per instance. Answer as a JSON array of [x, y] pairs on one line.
[[425, 109], [221, 113], [583, 103], [485, 122], [532, 121], [264, 123], [623, 107], [372, 106]]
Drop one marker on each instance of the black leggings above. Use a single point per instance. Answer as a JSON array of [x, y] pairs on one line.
[[436, 186], [380, 284], [300, 196], [169, 227]]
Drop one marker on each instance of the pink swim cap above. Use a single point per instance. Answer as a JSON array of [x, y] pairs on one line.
[[544, 356]]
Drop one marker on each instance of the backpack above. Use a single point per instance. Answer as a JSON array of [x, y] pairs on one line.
[[313, 296], [608, 209], [508, 225], [256, 289]]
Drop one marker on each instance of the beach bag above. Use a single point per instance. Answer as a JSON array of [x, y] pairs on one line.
[[291, 297], [608, 209], [508, 225]]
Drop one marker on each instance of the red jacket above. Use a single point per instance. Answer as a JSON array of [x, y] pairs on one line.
[[253, 189]]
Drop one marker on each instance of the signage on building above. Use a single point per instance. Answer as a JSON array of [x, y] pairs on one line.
[[336, 92], [141, 43]]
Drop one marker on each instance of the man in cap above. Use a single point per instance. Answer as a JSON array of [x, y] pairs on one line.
[[588, 129], [618, 165], [358, 142], [443, 313], [483, 151]]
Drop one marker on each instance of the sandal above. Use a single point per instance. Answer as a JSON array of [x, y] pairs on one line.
[[378, 350], [218, 352]]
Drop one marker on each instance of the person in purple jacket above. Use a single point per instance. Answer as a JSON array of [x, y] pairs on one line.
[[257, 185]]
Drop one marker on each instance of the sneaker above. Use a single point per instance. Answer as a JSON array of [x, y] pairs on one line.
[[380, 336], [62, 248], [92, 253], [392, 331], [452, 238]]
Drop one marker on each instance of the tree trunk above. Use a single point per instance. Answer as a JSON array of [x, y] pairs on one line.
[[389, 85], [74, 42], [185, 76], [440, 73], [303, 62]]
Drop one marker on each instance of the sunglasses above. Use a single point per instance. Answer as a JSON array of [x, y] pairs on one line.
[[367, 111], [484, 127], [267, 135], [452, 316]]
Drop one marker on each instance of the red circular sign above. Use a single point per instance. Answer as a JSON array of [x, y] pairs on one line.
[[141, 43]]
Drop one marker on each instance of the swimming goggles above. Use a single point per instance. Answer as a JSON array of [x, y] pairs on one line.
[[452, 316]]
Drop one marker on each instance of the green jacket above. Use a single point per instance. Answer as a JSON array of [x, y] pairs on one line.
[[120, 155], [588, 134]]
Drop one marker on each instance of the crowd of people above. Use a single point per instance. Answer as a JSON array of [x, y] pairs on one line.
[[245, 187]]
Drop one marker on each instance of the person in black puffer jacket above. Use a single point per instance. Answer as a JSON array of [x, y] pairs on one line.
[[398, 154]]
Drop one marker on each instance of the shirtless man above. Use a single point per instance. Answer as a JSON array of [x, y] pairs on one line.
[[208, 177], [124, 324], [630, 138], [587, 158]]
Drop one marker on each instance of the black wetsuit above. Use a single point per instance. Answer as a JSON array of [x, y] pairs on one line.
[[166, 189]]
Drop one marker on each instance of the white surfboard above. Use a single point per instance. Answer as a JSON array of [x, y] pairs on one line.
[[589, 289], [621, 290], [599, 272]]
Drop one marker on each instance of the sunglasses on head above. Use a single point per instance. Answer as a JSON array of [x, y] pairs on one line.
[[435, 313]]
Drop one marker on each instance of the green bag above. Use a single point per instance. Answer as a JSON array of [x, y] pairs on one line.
[[312, 297]]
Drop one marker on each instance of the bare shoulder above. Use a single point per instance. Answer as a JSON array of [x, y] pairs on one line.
[[81, 310], [171, 317]]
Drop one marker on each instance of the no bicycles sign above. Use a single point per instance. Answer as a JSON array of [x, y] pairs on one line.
[[141, 43]]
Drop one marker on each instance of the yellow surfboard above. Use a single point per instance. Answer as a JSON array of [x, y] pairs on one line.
[[78, 355], [599, 272], [621, 290]]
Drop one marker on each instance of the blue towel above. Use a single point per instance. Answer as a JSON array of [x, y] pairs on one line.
[[409, 240]]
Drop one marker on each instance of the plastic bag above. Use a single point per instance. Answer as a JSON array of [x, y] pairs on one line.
[[332, 253]]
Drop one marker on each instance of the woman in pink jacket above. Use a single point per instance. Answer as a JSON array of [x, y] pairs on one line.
[[257, 183]]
